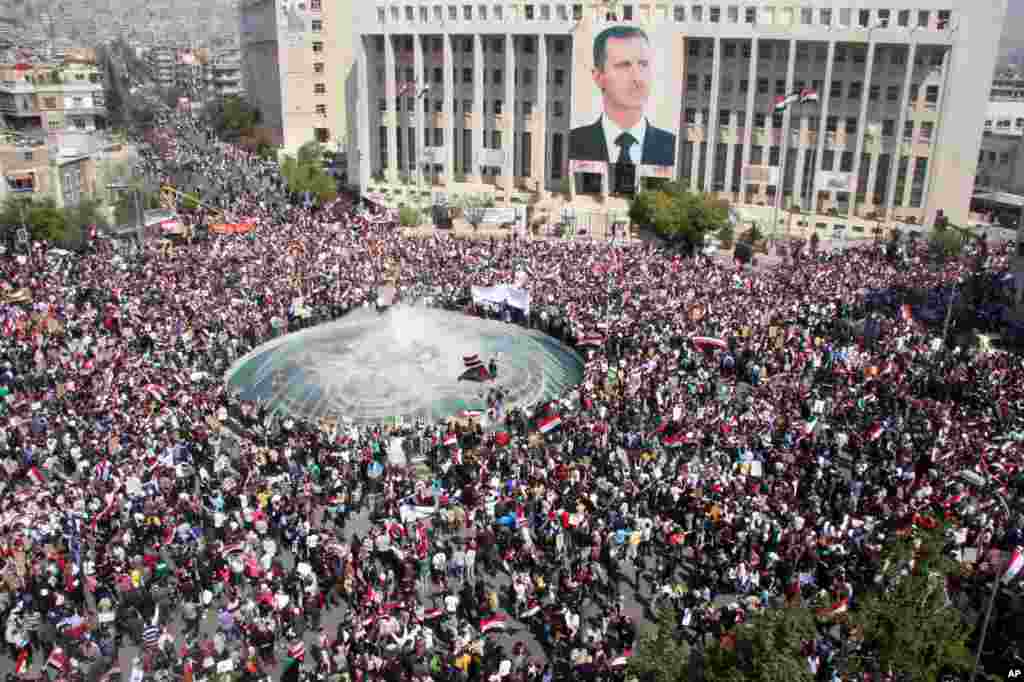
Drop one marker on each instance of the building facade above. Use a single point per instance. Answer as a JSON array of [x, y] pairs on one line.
[[1008, 86], [48, 98], [487, 93], [297, 59], [1001, 158]]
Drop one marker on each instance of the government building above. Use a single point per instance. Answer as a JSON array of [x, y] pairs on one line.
[[868, 111]]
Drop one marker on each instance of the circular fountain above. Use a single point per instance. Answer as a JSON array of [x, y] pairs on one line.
[[405, 363]]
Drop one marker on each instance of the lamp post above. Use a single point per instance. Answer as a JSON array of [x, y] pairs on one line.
[[991, 602]]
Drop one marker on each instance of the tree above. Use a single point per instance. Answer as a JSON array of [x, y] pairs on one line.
[[233, 117], [945, 244], [45, 222], [676, 214], [909, 625], [768, 648], [305, 173], [409, 216], [474, 207], [659, 655]]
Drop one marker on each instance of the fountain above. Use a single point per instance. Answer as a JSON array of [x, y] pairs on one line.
[[403, 364]]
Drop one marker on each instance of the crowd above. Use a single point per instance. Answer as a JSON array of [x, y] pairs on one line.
[[736, 432]]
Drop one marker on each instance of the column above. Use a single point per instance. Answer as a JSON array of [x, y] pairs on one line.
[[540, 114], [508, 133], [897, 152], [930, 206], [418, 120], [695, 160], [869, 193], [390, 92], [730, 155], [801, 158], [909, 184], [478, 105], [364, 102], [823, 116], [784, 138], [448, 69], [748, 124], [861, 125], [711, 126]]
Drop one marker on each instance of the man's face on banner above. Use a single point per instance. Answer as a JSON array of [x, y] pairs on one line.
[[626, 76]]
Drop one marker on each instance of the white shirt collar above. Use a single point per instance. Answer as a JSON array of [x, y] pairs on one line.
[[612, 132]]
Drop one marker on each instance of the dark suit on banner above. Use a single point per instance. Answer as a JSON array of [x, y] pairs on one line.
[[587, 143]]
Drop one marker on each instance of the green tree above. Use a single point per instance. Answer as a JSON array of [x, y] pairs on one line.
[[767, 649], [46, 222], [304, 172], [945, 243], [474, 207], [676, 214], [409, 216], [659, 655], [909, 626]]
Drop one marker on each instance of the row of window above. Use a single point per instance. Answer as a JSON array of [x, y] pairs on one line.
[[495, 106], [887, 129], [1004, 157], [780, 51], [733, 14], [491, 76], [1005, 124], [854, 90], [496, 44]]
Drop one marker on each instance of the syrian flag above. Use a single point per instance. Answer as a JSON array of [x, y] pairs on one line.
[[471, 414], [592, 340], [782, 103], [496, 622], [547, 424], [808, 95], [809, 426], [532, 611], [297, 652], [1014, 567], [622, 660], [471, 360], [431, 614], [36, 476], [677, 440], [23, 662], [451, 439]]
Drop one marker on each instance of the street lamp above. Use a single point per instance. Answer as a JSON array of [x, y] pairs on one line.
[[970, 477]]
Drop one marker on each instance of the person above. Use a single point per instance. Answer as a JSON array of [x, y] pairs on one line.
[[622, 72]]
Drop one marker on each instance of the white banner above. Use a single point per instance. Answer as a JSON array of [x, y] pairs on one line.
[[649, 171], [435, 155], [503, 293], [515, 216], [491, 157], [578, 166], [768, 175], [834, 181]]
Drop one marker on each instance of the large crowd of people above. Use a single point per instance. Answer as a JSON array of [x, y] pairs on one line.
[[737, 431]]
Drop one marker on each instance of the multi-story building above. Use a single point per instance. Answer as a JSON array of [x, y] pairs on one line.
[[162, 61], [226, 71], [1008, 86], [46, 98], [487, 92], [1001, 159], [297, 58]]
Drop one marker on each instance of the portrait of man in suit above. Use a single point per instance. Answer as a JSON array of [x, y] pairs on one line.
[[623, 73]]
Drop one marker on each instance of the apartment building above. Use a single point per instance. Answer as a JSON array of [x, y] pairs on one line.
[[226, 72], [297, 65], [52, 97], [1008, 86], [162, 61], [488, 91]]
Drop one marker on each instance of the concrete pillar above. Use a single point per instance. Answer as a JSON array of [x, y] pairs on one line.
[[418, 118], [711, 126], [390, 93], [824, 100], [479, 115], [896, 152], [363, 152], [539, 137], [930, 204], [861, 125], [508, 134], [448, 98], [748, 124], [784, 138]]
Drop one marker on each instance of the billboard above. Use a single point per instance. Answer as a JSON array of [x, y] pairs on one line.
[[768, 175], [626, 101], [834, 181]]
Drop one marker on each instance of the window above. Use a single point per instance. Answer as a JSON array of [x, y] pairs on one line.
[[831, 124], [715, 14], [27, 156], [481, 12], [467, 12], [856, 88], [923, 17], [467, 75], [931, 94], [498, 44], [1019, 123], [759, 120], [892, 93], [875, 93], [725, 85], [495, 139], [734, 14], [438, 106], [806, 16], [883, 18], [467, 106], [438, 13], [908, 130], [627, 12], [409, 16], [528, 12], [863, 18], [988, 123], [765, 52], [499, 13], [467, 46], [942, 23], [527, 76], [556, 108], [453, 13], [320, 89], [317, 25], [321, 109], [903, 18], [746, 50], [777, 121], [545, 13], [559, 46], [382, 16], [691, 82], [498, 107], [888, 127], [840, 57], [927, 128], [691, 116], [693, 49], [318, 47], [559, 77], [577, 12], [837, 89], [314, 5], [915, 90], [438, 74], [780, 88], [750, 15], [697, 13], [844, 17], [496, 78], [318, 67], [707, 83], [744, 86], [851, 125], [527, 108], [382, 104], [710, 51], [1004, 157], [821, 55], [724, 117], [846, 162], [436, 45], [438, 137], [859, 56], [730, 50], [679, 13], [825, 17], [762, 86]]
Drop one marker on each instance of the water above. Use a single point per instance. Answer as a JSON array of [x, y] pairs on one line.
[[404, 363]]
